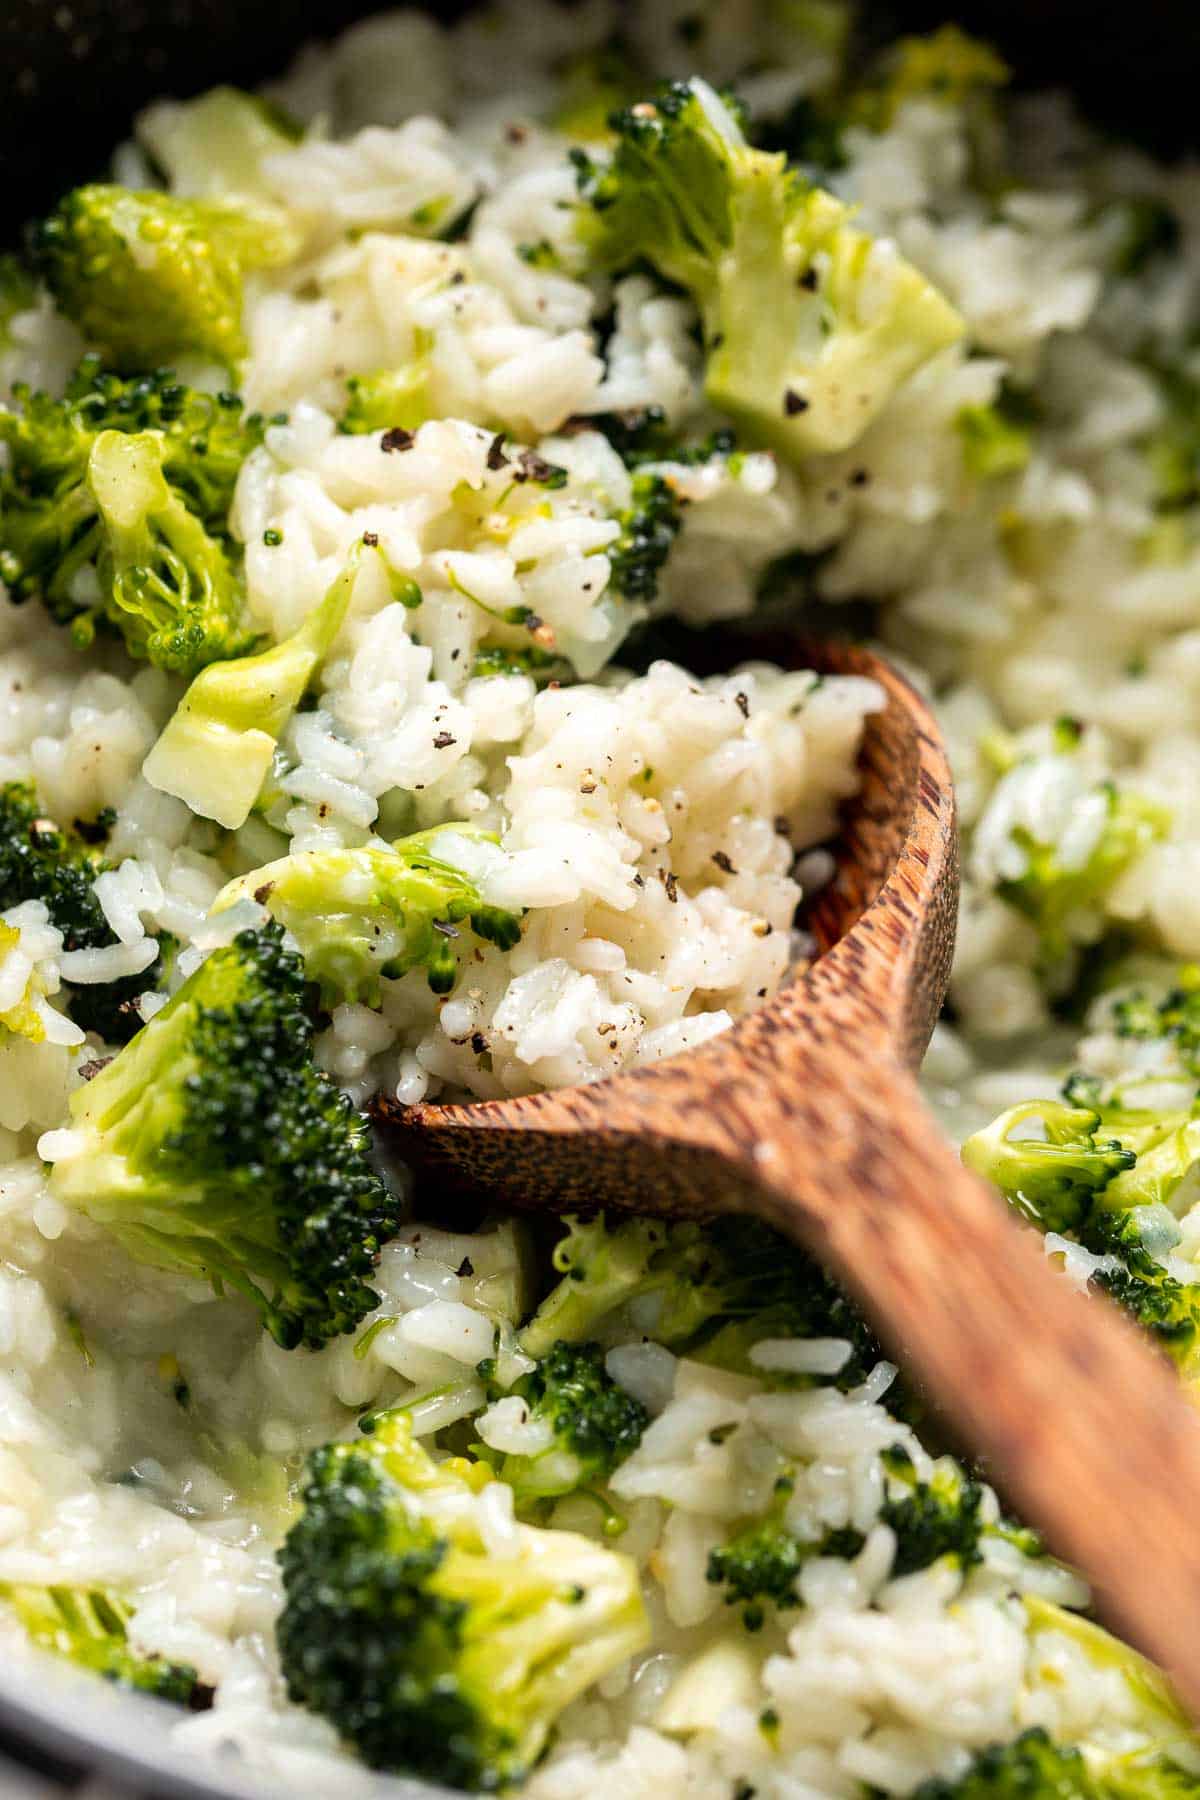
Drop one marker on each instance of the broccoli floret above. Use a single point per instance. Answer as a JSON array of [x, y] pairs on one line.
[[166, 583], [146, 276], [648, 529], [89, 1626], [997, 438], [595, 1425], [809, 325], [1051, 1178], [1032, 1767], [1162, 1305], [1052, 892], [759, 1566], [218, 747], [946, 66], [359, 915], [1176, 1016], [113, 506], [431, 1653], [932, 1518], [716, 1291], [212, 1145], [393, 399]]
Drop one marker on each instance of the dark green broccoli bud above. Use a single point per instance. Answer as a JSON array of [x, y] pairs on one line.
[[649, 526], [809, 325], [932, 1518], [595, 1423], [211, 1145], [760, 1564], [1051, 1178], [89, 1627], [946, 66], [147, 277], [1176, 1016], [113, 507], [541, 666], [430, 1653], [1162, 1305], [716, 1291], [1032, 1767], [809, 134], [360, 915], [997, 438], [392, 400]]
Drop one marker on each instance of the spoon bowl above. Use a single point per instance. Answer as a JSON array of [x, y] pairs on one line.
[[807, 1113]]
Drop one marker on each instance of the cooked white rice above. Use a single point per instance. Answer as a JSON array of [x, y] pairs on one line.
[[648, 825]]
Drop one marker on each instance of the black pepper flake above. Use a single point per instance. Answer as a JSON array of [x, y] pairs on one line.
[[742, 702], [859, 477], [397, 439], [479, 1043], [639, 881], [90, 1069], [263, 894], [794, 403], [370, 539], [443, 740], [516, 134], [465, 1267], [587, 787], [671, 882], [722, 861], [532, 467], [809, 281], [496, 458]]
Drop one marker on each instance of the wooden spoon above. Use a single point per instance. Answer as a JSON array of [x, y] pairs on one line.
[[807, 1113]]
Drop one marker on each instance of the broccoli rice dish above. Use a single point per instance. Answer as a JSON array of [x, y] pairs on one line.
[[387, 460]]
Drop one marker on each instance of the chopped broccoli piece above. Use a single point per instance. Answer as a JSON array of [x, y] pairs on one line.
[[358, 915], [167, 584], [147, 277], [393, 399], [809, 325], [648, 529], [431, 1653], [759, 1565], [931, 1519], [218, 747], [114, 505], [215, 145], [595, 1423], [715, 1292], [89, 1627], [1162, 1305], [946, 66], [1176, 1016], [592, 87], [211, 1145], [20, 1016], [1054, 1178], [997, 439], [1032, 1767], [1050, 893]]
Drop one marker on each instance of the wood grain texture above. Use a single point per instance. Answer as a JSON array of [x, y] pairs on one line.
[[807, 1114]]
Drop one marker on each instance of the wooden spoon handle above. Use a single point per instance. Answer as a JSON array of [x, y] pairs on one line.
[[1087, 1427]]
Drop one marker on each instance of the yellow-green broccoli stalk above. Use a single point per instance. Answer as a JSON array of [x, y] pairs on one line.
[[809, 325], [358, 915], [89, 1627], [147, 277], [217, 749]]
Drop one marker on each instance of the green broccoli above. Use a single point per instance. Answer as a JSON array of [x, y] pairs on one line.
[[89, 1627], [429, 1651], [147, 277], [714, 1292], [24, 1017], [392, 399], [649, 526], [358, 915], [946, 66], [809, 325], [931, 1519], [1167, 1308], [760, 1564], [1032, 1767], [1051, 894], [595, 1423], [1051, 1178], [219, 745], [1176, 1016], [39, 861], [113, 506], [212, 1145], [997, 438]]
